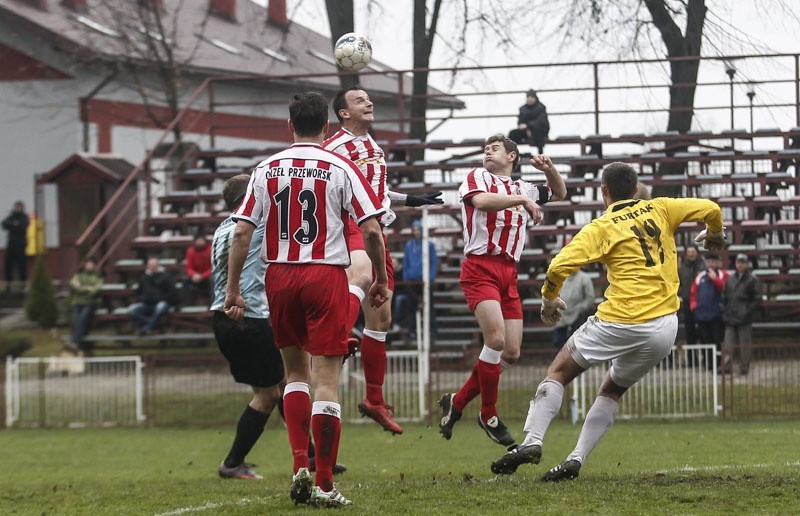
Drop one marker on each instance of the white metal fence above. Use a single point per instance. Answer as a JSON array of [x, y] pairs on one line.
[[74, 391], [109, 390], [685, 386], [405, 385]]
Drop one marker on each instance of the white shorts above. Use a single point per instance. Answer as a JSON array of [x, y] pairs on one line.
[[633, 349]]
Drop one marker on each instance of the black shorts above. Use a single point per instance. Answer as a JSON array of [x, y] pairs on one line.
[[249, 347]]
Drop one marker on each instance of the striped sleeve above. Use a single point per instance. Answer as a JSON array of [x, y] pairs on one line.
[[252, 207], [474, 183], [359, 199]]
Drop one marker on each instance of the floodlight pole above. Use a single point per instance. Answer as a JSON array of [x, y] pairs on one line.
[[751, 93], [731, 71]]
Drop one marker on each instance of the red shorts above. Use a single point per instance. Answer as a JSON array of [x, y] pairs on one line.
[[485, 277], [308, 308], [355, 242]]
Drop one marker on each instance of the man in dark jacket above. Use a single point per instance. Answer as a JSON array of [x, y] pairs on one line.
[[532, 124], [741, 297], [17, 225], [154, 293], [705, 300], [691, 265]]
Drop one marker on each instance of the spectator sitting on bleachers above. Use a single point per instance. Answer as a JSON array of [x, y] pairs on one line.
[[533, 126], [84, 288], [155, 293], [197, 265], [407, 299]]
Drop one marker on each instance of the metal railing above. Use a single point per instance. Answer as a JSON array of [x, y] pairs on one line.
[[198, 391], [74, 391], [782, 92], [685, 385]]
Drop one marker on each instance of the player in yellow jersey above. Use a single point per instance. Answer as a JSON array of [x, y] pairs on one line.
[[634, 328]]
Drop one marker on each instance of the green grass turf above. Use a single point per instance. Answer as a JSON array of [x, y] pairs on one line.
[[688, 467]]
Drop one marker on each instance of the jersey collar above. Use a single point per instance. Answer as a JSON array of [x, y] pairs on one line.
[[622, 204]]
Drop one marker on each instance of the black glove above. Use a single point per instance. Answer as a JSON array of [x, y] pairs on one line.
[[422, 200]]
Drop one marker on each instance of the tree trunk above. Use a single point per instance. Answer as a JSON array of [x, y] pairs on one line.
[[423, 44], [340, 21], [683, 74]]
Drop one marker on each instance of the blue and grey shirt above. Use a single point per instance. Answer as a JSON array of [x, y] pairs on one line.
[[251, 282]]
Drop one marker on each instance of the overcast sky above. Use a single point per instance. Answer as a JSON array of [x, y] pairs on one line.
[[388, 25]]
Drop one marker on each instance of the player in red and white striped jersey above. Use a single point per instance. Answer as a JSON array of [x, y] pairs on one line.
[[304, 194], [355, 111], [496, 210]]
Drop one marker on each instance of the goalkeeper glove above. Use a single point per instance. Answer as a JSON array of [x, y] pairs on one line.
[[551, 310], [712, 240], [421, 200]]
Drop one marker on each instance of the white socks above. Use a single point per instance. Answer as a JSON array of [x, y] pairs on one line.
[[380, 336], [297, 387], [326, 408], [544, 407], [489, 355], [357, 291], [598, 420]]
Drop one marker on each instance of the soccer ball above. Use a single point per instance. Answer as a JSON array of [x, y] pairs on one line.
[[352, 52]]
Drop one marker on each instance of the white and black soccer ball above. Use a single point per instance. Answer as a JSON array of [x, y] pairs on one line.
[[352, 52]]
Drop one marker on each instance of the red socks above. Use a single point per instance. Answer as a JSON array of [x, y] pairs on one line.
[[373, 359], [297, 407], [484, 380], [355, 298], [468, 391], [489, 380], [326, 426]]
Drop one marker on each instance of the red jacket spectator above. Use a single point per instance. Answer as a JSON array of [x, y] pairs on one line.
[[198, 259]]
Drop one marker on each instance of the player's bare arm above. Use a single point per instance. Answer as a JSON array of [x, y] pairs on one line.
[[373, 245], [534, 211], [240, 244], [554, 180], [487, 201]]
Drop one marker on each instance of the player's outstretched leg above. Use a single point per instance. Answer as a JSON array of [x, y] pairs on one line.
[[488, 369], [373, 357]]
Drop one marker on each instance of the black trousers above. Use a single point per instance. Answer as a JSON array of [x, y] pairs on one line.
[[16, 261]]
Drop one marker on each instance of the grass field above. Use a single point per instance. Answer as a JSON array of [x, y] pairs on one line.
[[697, 467]]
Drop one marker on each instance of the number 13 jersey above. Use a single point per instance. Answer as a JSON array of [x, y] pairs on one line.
[[305, 195], [635, 240]]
